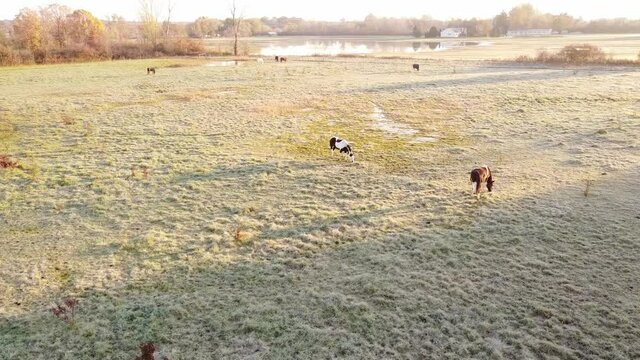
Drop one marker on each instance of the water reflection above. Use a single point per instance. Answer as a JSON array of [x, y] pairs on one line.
[[294, 47], [223, 63]]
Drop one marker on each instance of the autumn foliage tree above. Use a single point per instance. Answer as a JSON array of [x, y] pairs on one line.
[[85, 29], [27, 30], [521, 16]]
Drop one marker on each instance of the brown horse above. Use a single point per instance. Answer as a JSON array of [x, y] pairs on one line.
[[151, 70]]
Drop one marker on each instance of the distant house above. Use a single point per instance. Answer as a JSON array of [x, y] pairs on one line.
[[529, 32], [453, 32]]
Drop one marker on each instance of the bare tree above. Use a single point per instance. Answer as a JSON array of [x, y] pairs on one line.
[[54, 24], [149, 22], [236, 21], [117, 28], [167, 23]]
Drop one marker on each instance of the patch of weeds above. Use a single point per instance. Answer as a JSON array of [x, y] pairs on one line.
[[34, 172], [128, 246], [7, 163], [65, 180], [68, 119], [66, 311], [173, 66], [588, 185], [147, 351], [237, 236], [241, 237], [8, 134], [88, 129], [62, 276], [543, 312]]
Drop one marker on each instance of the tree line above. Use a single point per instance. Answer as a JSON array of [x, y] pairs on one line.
[[523, 16], [58, 33]]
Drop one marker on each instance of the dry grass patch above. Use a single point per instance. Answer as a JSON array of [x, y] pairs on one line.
[[189, 96]]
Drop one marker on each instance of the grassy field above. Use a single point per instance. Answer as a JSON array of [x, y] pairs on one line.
[[245, 238]]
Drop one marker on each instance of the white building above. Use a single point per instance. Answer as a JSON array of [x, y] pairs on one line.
[[453, 32], [530, 32]]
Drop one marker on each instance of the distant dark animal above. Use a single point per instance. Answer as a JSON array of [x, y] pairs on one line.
[[283, 59], [277, 58], [416, 67], [343, 146], [480, 176], [151, 70]]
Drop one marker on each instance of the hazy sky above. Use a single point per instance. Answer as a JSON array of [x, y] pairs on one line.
[[189, 10]]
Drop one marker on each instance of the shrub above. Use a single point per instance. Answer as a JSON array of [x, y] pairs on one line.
[[74, 53], [183, 47], [10, 56], [581, 54], [576, 54], [129, 51], [77, 52]]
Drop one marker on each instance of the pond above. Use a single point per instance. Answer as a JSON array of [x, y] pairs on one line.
[[333, 47]]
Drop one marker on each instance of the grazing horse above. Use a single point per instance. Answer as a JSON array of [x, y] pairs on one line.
[[416, 67], [277, 58], [343, 146], [480, 176], [151, 70], [283, 59], [260, 60]]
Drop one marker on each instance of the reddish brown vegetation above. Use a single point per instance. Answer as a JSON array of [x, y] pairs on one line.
[[148, 350], [66, 311], [6, 163], [68, 119], [237, 235]]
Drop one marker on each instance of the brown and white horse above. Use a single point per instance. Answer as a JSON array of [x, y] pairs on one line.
[[343, 146], [478, 177]]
